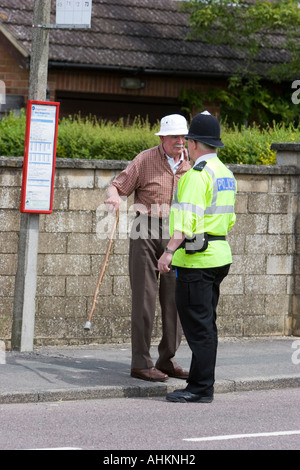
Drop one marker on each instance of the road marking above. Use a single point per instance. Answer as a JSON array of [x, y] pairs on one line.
[[241, 436]]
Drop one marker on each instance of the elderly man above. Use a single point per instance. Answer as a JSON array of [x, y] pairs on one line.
[[153, 176]]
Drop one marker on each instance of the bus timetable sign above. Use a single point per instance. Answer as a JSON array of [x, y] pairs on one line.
[[74, 13], [39, 157]]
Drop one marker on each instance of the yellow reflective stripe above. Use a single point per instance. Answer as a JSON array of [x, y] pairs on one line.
[[219, 210], [188, 207], [194, 209]]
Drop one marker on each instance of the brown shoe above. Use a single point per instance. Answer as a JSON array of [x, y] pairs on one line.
[[177, 373], [152, 374]]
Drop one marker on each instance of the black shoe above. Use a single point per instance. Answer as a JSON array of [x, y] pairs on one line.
[[183, 396]]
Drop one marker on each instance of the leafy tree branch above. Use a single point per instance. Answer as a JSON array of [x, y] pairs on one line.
[[250, 26]]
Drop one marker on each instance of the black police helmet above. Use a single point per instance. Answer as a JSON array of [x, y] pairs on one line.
[[205, 128]]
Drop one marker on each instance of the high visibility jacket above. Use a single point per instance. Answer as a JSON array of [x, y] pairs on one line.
[[204, 202]]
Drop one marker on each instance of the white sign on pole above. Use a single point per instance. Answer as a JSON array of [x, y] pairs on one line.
[[2, 93], [74, 12], [39, 157]]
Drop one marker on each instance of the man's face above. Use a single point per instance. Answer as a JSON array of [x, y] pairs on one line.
[[173, 145], [193, 150]]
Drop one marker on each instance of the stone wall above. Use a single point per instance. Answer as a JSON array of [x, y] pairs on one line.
[[259, 297]]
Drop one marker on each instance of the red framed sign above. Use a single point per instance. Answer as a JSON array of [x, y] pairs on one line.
[[39, 157]]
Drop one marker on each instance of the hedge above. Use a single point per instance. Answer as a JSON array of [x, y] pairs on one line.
[[97, 139]]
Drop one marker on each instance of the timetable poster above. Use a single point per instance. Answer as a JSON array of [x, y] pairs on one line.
[[74, 12], [39, 157]]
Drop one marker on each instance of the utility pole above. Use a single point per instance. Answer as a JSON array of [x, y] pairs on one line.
[[26, 276]]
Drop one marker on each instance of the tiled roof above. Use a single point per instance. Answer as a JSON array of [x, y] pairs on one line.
[[146, 35]]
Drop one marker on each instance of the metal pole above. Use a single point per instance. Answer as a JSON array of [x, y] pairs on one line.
[[26, 277]]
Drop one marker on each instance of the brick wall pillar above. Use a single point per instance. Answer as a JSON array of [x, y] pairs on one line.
[[288, 154]]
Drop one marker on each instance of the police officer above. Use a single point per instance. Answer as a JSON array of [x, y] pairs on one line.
[[202, 213]]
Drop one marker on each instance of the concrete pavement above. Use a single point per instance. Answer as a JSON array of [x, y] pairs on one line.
[[103, 371]]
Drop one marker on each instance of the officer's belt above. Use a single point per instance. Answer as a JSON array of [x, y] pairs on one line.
[[194, 249], [215, 237]]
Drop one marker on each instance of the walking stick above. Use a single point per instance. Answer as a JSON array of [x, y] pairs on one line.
[[88, 324]]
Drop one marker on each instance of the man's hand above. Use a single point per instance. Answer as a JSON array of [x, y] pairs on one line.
[[112, 205], [166, 258], [113, 200], [164, 263]]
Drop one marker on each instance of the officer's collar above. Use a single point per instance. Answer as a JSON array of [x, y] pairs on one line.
[[206, 157]]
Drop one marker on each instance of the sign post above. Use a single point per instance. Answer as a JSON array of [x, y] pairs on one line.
[[39, 160], [22, 337]]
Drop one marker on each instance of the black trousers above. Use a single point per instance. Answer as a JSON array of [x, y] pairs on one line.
[[197, 296]]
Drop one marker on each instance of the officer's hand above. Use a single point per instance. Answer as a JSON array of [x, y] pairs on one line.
[[164, 263]]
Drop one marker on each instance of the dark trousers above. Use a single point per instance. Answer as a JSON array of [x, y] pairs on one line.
[[147, 243], [197, 295]]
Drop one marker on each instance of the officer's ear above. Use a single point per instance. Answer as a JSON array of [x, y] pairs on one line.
[[194, 144]]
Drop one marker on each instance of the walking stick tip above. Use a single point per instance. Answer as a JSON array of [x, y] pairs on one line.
[[87, 326]]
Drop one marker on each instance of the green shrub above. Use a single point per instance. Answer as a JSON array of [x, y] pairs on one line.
[[93, 139], [89, 138], [12, 134], [252, 146]]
